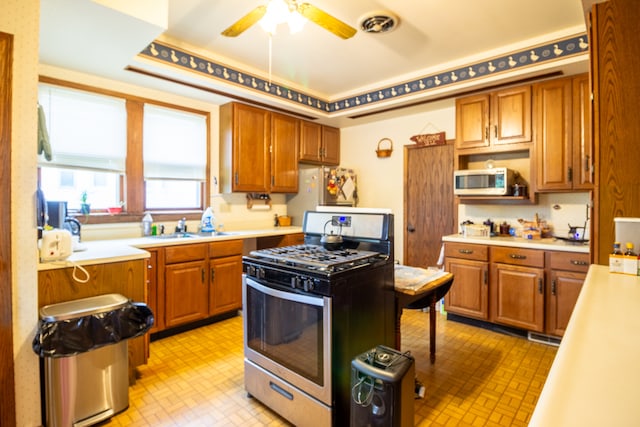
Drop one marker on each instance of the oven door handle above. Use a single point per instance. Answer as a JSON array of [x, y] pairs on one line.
[[291, 296]]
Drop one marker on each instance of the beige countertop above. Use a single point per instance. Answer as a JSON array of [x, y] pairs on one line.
[[117, 250], [549, 244], [595, 375]]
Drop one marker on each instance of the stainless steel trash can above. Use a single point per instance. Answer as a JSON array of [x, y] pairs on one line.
[[88, 387]]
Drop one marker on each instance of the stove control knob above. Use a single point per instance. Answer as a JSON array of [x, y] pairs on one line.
[[308, 285], [251, 271], [295, 282], [260, 274]]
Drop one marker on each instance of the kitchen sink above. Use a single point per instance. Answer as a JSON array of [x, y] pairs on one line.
[[174, 236]]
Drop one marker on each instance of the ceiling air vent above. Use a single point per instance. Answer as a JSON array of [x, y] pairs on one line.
[[378, 22]]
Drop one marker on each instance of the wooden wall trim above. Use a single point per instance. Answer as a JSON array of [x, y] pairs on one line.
[[7, 379]]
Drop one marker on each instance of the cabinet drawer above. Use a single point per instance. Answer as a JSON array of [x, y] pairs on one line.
[[182, 253], [517, 256], [226, 248], [569, 261], [466, 251]]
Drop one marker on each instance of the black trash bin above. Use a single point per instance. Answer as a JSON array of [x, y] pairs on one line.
[[382, 388], [84, 346]]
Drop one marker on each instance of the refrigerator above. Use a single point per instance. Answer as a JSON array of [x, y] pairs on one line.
[[322, 186]]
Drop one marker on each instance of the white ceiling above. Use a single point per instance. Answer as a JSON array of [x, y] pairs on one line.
[[433, 35]]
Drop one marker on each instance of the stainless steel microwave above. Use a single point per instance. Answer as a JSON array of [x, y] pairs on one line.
[[483, 182]]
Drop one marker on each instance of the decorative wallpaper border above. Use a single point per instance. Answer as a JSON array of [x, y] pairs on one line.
[[552, 51]]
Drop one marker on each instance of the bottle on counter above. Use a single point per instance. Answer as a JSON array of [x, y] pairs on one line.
[[630, 261], [207, 221], [147, 220], [616, 259]]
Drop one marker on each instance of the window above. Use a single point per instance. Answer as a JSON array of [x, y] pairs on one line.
[[118, 147], [175, 158], [88, 137]]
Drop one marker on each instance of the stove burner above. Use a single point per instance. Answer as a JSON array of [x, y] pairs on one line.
[[315, 257]]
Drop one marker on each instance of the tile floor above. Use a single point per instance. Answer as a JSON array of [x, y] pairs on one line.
[[480, 378]]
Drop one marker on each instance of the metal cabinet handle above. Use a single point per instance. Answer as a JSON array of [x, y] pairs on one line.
[[586, 163], [213, 275], [202, 275], [570, 174], [495, 131], [553, 287], [486, 133], [486, 277], [466, 251], [518, 256], [539, 285], [579, 262]]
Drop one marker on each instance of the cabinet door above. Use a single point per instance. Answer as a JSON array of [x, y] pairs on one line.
[[250, 157], [517, 296], [284, 153], [510, 116], [581, 134], [564, 290], [152, 283], [472, 121], [225, 288], [330, 146], [469, 292], [310, 142], [186, 292], [553, 135]]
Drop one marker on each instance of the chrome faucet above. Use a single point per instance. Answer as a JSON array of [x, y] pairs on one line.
[[182, 226]]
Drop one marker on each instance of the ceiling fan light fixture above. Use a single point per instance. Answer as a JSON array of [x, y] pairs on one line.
[[279, 12]]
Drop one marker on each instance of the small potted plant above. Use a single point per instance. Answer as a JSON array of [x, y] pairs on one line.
[[85, 207]]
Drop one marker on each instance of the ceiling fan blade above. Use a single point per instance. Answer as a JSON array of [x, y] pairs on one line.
[[326, 21], [245, 22]]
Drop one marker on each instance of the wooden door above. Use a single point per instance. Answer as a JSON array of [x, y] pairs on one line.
[[517, 296], [251, 160], [225, 288], [510, 116], [472, 121], [285, 134], [310, 142], [7, 381], [330, 146], [564, 290], [186, 292], [428, 202], [469, 294], [553, 135]]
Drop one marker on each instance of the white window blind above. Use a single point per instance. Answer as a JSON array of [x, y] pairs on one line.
[[175, 144], [86, 130]]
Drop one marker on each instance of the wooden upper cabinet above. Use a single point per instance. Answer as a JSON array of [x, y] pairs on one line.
[[494, 119], [582, 138], [563, 134], [245, 134], [284, 153], [319, 144]]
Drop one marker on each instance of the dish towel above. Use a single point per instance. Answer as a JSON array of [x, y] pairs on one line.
[[43, 136]]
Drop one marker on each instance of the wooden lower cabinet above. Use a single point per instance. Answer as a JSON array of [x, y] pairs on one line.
[[194, 282], [517, 296], [528, 289], [567, 272], [225, 290], [186, 292], [469, 293]]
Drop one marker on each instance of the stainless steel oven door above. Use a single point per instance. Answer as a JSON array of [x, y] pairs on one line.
[[289, 335]]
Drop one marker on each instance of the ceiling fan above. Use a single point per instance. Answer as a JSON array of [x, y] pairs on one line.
[[312, 13]]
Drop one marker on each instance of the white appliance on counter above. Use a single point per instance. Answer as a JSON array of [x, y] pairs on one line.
[[322, 186], [627, 229]]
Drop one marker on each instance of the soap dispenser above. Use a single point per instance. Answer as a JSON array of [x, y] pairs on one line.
[[207, 222]]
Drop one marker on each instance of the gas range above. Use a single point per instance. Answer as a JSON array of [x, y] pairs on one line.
[[316, 257]]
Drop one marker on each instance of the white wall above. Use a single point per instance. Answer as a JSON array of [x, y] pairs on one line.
[[21, 19], [381, 180]]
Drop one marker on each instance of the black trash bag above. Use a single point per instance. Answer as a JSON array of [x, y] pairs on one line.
[[81, 334]]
